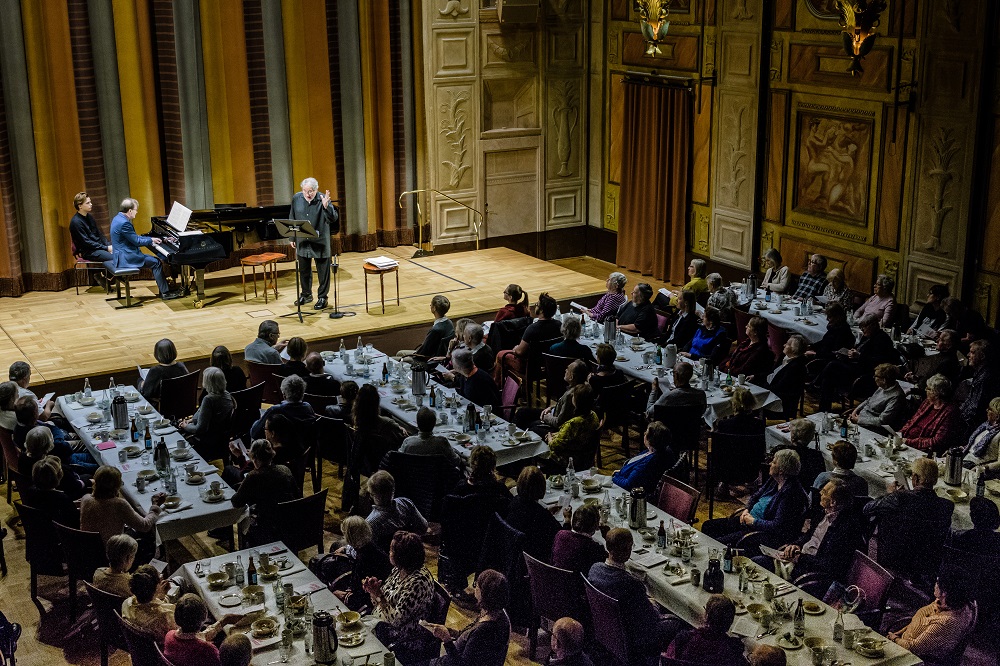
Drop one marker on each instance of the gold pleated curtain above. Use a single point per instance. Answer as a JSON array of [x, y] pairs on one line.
[[656, 173]]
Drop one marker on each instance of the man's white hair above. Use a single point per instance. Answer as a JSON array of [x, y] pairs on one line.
[[311, 183]]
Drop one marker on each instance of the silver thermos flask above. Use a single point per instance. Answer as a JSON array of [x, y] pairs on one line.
[[637, 509], [418, 385], [119, 412], [324, 638]]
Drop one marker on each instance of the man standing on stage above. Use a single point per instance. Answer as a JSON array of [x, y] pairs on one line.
[[126, 243], [325, 219]]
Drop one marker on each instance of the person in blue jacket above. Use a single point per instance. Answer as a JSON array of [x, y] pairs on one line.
[[125, 244], [645, 469]]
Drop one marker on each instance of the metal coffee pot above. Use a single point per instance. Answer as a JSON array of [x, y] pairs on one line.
[[953, 466], [610, 330], [119, 412], [637, 509], [324, 638], [418, 376]]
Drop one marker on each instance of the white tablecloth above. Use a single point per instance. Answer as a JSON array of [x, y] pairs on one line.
[[497, 438], [198, 517], [266, 651]]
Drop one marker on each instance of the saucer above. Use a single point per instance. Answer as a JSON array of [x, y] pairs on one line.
[[132, 397], [195, 481], [94, 417], [213, 498]]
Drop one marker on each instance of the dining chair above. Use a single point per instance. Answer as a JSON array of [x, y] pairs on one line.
[[248, 402], [677, 499], [424, 480], [875, 581], [142, 645], [502, 551], [107, 606], [742, 318], [685, 423], [10, 632], [41, 546], [179, 396], [299, 523], [10, 457], [555, 593], [609, 625], [264, 372], [84, 553], [776, 339], [733, 459], [555, 373], [464, 520]]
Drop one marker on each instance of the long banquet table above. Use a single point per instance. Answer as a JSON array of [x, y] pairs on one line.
[[679, 596], [194, 514]]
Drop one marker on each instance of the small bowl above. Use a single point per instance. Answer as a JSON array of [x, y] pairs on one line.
[[147, 474], [253, 592], [815, 642], [649, 536], [171, 502], [217, 579], [590, 485], [145, 409], [870, 647], [812, 608], [348, 618], [87, 402], [133, 451], [267, 571], [957, 494], [591, 501], [398, 388], [94, 417], [758, 611], [298, 603], [162, 423], [264, 627], [462, 438], [556, 481], [132, 396]]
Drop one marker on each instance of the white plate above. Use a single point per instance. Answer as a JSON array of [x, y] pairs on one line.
[[215, 499], [230, 600], [164, 431]]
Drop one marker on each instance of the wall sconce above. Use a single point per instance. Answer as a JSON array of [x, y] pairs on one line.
[[654, 30], [859, 19]]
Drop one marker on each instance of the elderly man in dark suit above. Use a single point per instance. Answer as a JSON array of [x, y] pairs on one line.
[[474, 384], [125, 244], [325, 219], [682, 395]]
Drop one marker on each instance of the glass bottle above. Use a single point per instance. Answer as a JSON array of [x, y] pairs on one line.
[[240, 572], [87, 391], [799, 619], [838, 626], [343, 350], [147, 438]]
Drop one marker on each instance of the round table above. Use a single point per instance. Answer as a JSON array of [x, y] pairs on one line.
[[371, 269]]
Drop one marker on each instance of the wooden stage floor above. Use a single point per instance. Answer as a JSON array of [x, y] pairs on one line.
[[64, 336]]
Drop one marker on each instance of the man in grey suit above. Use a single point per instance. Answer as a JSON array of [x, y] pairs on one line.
[[682, 395], [325, 219]]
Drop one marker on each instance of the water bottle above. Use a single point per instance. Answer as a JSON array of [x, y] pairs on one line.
[[87, 391], [570, 473], [240, 572], [358, 349], [343, 350]]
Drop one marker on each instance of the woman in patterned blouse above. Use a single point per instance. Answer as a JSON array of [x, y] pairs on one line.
[[405, 597], [610, 301]]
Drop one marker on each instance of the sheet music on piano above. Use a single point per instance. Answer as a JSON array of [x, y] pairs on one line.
[[178, 219]]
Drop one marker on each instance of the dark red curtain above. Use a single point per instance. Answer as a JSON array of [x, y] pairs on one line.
[[656, 163]]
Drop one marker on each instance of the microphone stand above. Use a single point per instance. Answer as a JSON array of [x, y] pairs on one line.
[[337, 312], [477, 227]]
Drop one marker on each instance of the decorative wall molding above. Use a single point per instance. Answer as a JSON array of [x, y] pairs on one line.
[[565, 105], [777, 49], [454, 8], [455, 135], [736, 158], [944, 149]]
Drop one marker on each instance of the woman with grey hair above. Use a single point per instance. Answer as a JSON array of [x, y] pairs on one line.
[[801, 433], [612, 299], [777, 510], [881, 304], [776, 276], [720, 298], [209, 428], [168, 367], [361, 558], [570, 346], [788, 378], [938, 425], [121, 550]]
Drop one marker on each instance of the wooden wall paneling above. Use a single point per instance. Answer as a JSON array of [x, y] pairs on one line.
[[511, 192], [616, 121], [784, 14], [736, 143], [619, 9], [566, 123], [777, 149], [889, 216], [990, 245], [701, 153], [859, 270], [678, 52], [825, 65]]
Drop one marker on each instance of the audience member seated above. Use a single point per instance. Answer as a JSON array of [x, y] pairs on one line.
[[982, 370], [426, 443], [682, 395], [845, 457], [391, 514], [874, 349], [767, 655], [20, 374], [946, 362], [752, 357], [8, 396], [404, 598], [236, 650], [167, 367], [345, 410], [880, 304], [263, 488], [516, 300], [377, 434], [967, 322], [545, 327], [570, 347], [46, 496], [89, 241], [575, 436], [813, 281], [984, 442], [937, 425], [801, 432], [647, 631], [189, 644], [606, 374], [474, 384], [567, 644], [982, 538], [266, 347], [236, 379], [483, 481], [838, 334], [828, 546], [886, 408], [932, 315], [911, 525], [26, 415], [776, 276], [526, 514], [685, 324], [710, 341], [576, 549], [939, 627], [837, 291], [297, 348], [544, 421], [646, 469], [148, 608], [637, 316], [440, 331], [366, 561], [787, 379], [482, 355], [319, 381], [777, 509], [38, 444], [711, 643], [115, 578], [609, 303], [293, 389], [745, 420], [722, 299], [209, 428], [484, 641], [457, 342], [104, 510], [697, 285]]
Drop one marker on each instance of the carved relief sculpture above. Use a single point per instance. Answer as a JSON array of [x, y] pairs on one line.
[[611, 212], [565, 113], [824, 9], [653, 23], [741, 11], [943, 149], [776, 50], [453, 8], [454, 131], [736, 154], [833, 170]]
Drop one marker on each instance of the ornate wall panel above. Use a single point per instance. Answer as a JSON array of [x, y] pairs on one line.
[[731, 239], [677, 53], [511, 190], [454, 53], [777, 144], [824, 65], [736, 144], [564, 207], [859, 271]]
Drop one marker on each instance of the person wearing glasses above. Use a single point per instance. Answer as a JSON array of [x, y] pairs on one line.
[[813, 281]]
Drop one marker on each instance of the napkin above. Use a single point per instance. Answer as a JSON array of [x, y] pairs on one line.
[[649, 559], [261, 643], [104, 446], [744, 626], [182, 507], [309, 588]]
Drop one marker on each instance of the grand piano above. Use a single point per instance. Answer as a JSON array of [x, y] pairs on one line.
[[211, 235]]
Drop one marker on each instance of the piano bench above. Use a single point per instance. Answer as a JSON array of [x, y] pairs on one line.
[[125, 275], [268, 261], [82, 267]]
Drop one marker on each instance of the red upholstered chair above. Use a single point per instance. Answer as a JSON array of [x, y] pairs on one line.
[[555, 593], [677, 498], [609, 626]]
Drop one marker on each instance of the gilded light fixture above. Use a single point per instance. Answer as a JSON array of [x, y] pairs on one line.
[[859, 19], [654, 29]]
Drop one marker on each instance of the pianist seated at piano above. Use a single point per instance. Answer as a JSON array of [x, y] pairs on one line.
[[126, 244]]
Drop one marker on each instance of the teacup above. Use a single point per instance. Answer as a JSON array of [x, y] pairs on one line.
[[182, 445], [216, 487], [191, 468]]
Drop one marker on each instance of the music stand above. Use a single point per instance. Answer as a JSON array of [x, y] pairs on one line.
[[337, 312], [291, 229]]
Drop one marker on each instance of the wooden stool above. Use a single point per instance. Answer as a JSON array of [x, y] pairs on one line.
[[371, 269], [268, 261]]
